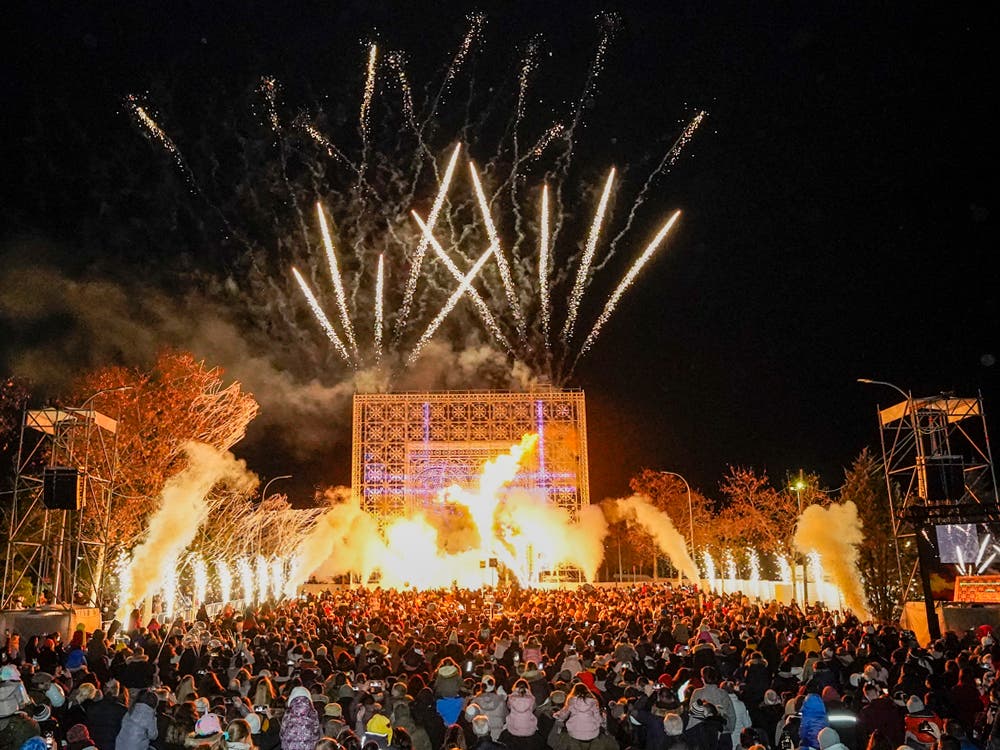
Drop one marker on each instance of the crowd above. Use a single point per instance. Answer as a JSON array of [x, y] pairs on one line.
[[652, 667]]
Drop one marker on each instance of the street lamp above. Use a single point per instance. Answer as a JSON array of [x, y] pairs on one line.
[[263, 497], [798, 485], [690, 506]]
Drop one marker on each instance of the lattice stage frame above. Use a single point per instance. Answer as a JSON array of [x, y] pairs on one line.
[[406, 447]]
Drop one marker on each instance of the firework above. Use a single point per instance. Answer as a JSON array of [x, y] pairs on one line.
[[379, 302], [729, 563], [583, 270], [247, 586], [200, 574], [753, 560], [366, 99], [225, 576], [784, 569], [418, 256], [277, 577], [815, 566], [321, 316], [338, 285], [709, 566], [168, 590], [263, 578], [450, 304], [269, 88], [491, 231], [482, 308], [543, 265], [626, 282]]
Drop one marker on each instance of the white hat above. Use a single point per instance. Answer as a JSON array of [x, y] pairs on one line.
[[299, 692], [55, 695], [9, 673], [254, 722]]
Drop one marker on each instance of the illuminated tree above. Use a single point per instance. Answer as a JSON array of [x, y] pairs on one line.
[[178, 400]]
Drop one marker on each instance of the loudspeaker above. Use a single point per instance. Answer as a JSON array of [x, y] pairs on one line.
[[944, 478], [62, 488]]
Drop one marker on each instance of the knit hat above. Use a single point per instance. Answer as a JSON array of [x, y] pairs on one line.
[[558, 697], [333, 710], [34, 743], [448, 670], [9, 673], [86, 692], [489, 684], [914, 705], [771, 698], [830, 694], [673, 725], [828, 737], [39, 712], [299, 692], [207, 726], [78, 733], [472, 711], [698, 710]]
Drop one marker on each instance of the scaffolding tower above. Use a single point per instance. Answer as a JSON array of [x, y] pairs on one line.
[[59, 514], [939, 474]]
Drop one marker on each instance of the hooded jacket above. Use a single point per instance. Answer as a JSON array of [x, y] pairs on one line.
[[138, 729], [813, 721], [521, 719], [494, 708], [582, 717]]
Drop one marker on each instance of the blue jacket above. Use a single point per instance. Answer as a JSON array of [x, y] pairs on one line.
[[813, 720]]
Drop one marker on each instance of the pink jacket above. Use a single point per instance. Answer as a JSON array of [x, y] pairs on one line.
[[521, 721], [582, 717]]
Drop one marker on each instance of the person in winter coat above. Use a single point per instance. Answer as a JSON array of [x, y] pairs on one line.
[[521, 719], [481, 729], [447, 679], [673, 729], [739, 710], [425, 714], [402, 717], [300, 724], [923, 726], [104, 717], [581, 715], [710, 692], [813, 721], [138, 729], [491, 705], [830, 740], [880, 712], [756, 679]]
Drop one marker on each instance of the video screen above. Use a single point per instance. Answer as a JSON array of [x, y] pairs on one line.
[[957, 543]]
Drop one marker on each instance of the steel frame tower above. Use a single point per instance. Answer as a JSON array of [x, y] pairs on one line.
[[938, 471], [408, 446], [61, 549]]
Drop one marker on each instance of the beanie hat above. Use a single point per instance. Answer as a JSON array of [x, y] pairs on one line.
[[448, 670], [698, 710], [558, 697], [34, 743], [333, 710], [9, 673], [299, 692], [472, 711], [914, 705], [253, 721], [78, 733], [771, 698], [489, 684], [481, 726], [207, 725], [55, 695], [673, 725], [830, 694], [828, 737], [86, 692]]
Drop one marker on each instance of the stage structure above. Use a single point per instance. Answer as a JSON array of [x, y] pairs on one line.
[[409, 446], [57, 521], [942, 486]]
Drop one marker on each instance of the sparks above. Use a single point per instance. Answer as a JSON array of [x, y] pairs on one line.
[[321, 317], [450, 304], [338, 284], [225, 576], [379, 295], [418, 256], [543, 265], [366, 99], [626, 282], [200, 579], [484, 311], [246, 580], [491, 232], [583, 272]]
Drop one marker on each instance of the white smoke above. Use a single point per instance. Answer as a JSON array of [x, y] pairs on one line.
[[639, 509], [183, 508], [835, 533]]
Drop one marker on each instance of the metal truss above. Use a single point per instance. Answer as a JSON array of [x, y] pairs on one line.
[[408, 446], [62, 551]]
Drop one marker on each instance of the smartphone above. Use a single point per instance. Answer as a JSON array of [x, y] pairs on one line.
[[468, 666]]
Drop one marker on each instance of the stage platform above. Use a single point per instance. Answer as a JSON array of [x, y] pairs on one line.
[[56, 619], [956, 617]]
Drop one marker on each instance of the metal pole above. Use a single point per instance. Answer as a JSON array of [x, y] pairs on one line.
[[263, 497], [690, 507]]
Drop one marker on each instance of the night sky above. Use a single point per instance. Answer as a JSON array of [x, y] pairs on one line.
[[838, 218]]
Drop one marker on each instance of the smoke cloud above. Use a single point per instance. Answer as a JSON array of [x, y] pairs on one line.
[[639, 509], [184, 507], [835, 533]]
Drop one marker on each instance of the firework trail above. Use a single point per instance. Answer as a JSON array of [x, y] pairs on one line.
[[263, 578], [379, 301], [543, 266], [321, 317], [200, 579], [450, 304], [626, 282], [332, 150], [418, 255], [366, 99], [338, 284], [225, 576], [154, 131], [666, 164], [246, 580], [491, 231], [476, 22], [397, 63], [484, 311], [269, 88], [583, 271]]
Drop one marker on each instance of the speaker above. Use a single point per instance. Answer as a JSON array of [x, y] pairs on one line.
[[62, 488], [944, 478]]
